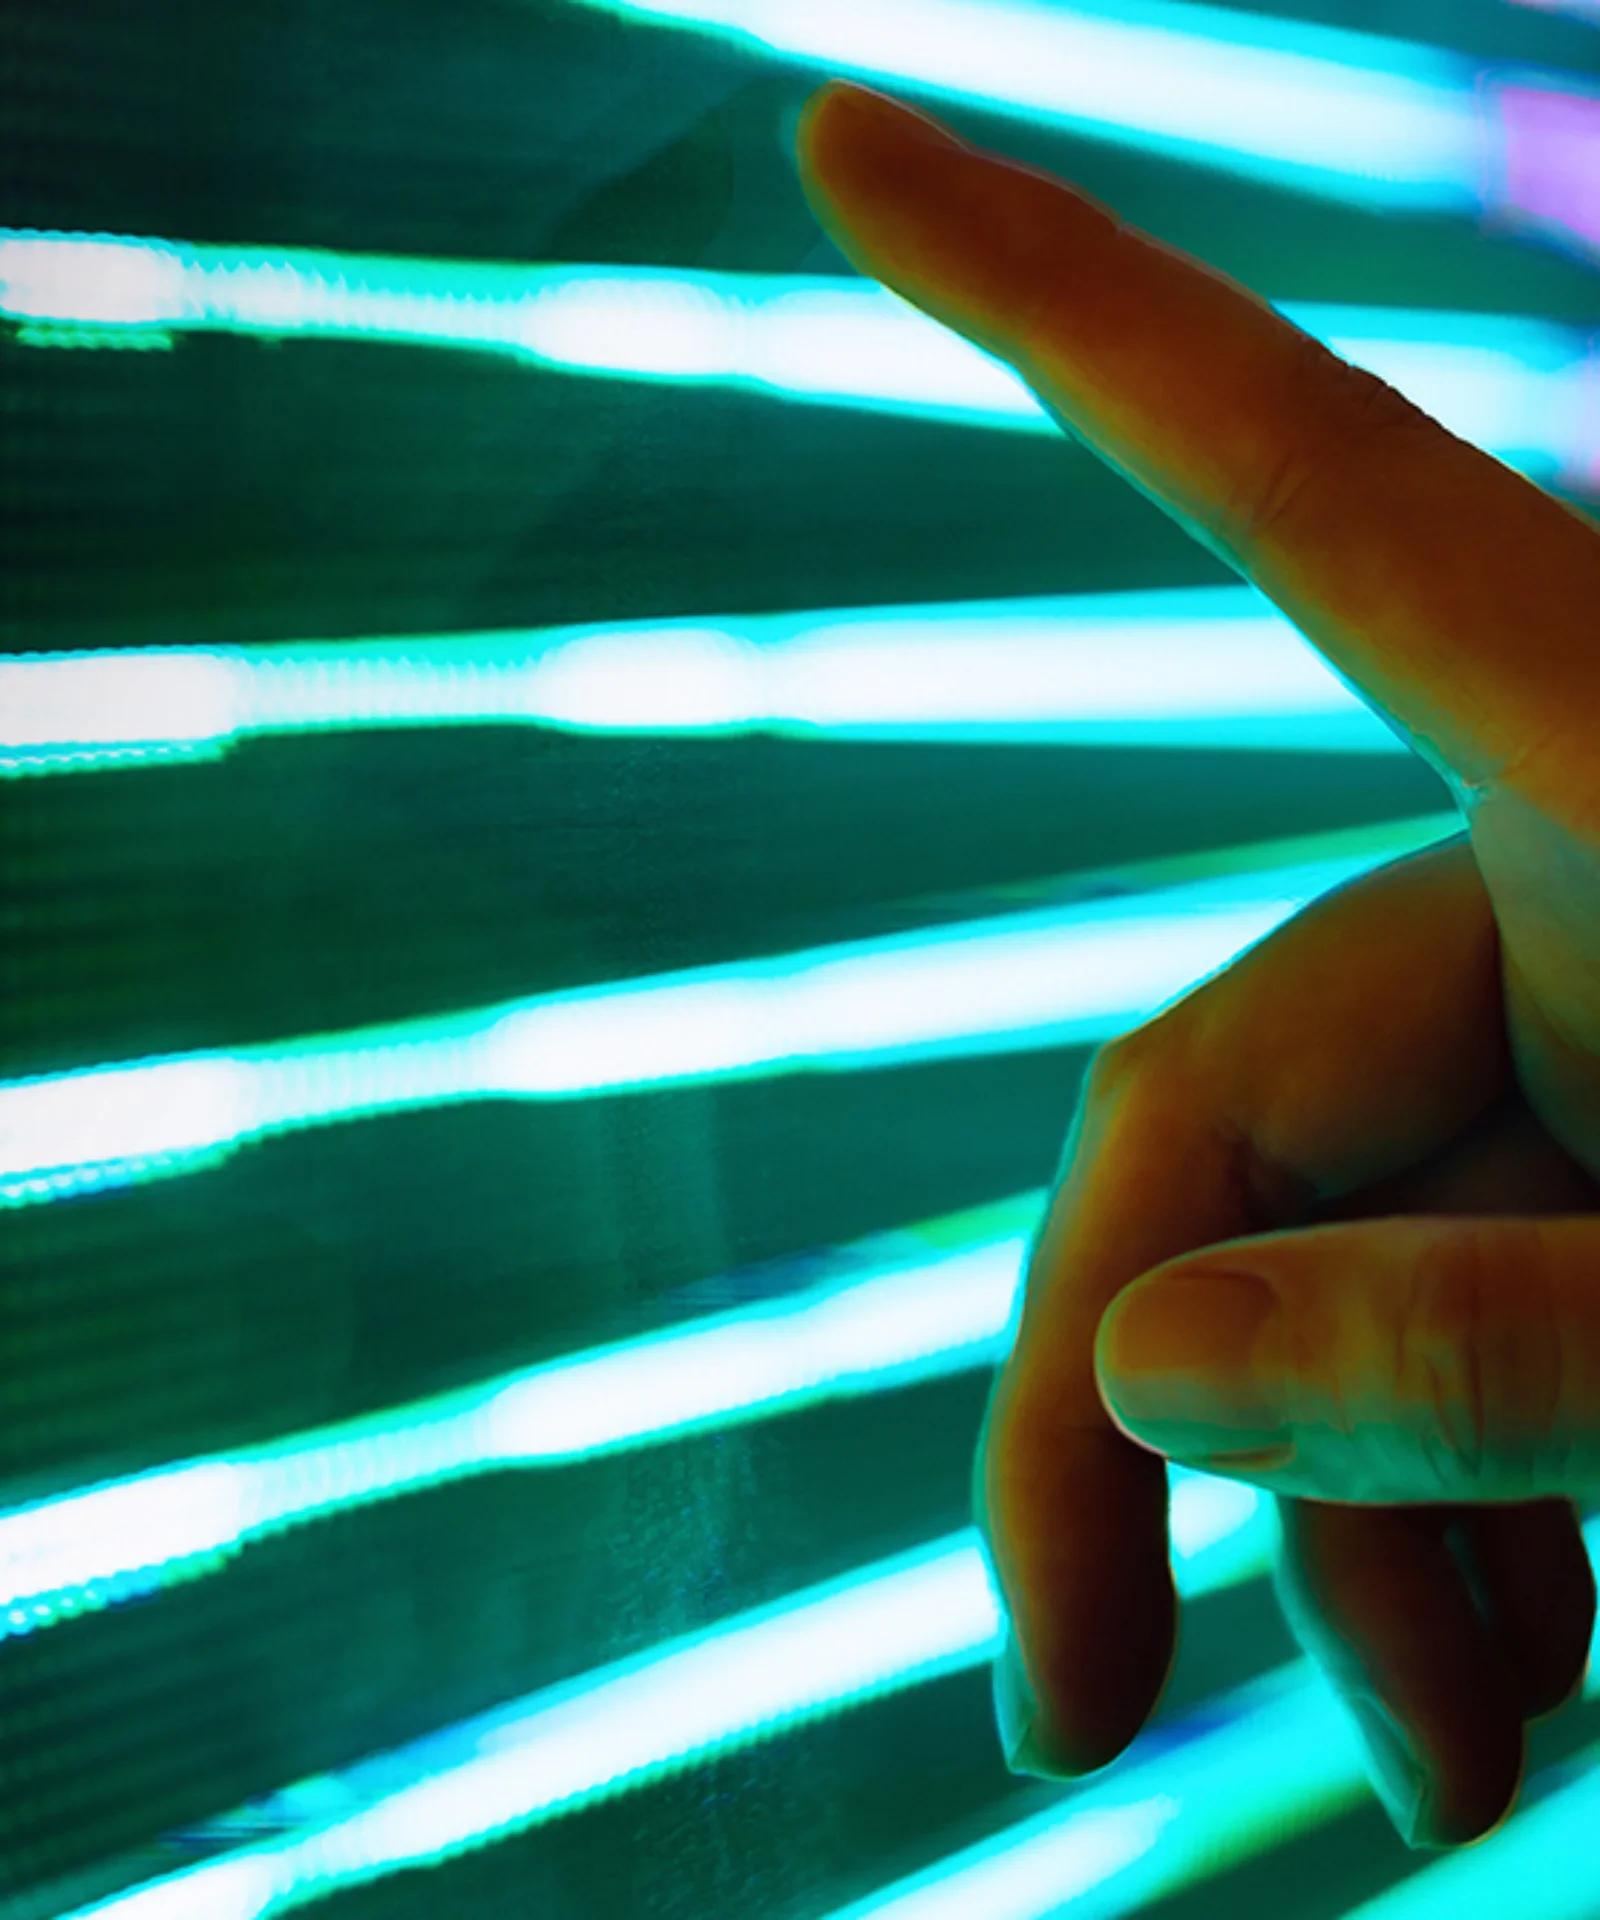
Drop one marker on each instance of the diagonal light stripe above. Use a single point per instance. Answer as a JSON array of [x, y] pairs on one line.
[[892, 1310], [896, 1624], [1519, 386], [1540, 1866], [912, 1306], [1186, 667], [1277, 1758], [1285, 1760], [1077, 975], [1358, 117]]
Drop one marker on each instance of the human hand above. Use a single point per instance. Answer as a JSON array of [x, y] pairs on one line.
[[1389, 1110]]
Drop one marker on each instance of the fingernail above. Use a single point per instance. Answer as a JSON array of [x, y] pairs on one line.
[[876, 116], [1398, 1777], [1196, 1359], [1017, 1715]]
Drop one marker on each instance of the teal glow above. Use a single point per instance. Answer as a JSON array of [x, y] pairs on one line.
[[1182, 667], [896, 1624], [1073, 975], [1539, 1866], [1355, 117], [1276, 1758], [1512, 384], [903, 1307]]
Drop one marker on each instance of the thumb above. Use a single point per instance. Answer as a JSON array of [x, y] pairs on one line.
[[1429, 1359]]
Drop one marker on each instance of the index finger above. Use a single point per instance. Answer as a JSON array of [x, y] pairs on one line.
[[1447, 588]]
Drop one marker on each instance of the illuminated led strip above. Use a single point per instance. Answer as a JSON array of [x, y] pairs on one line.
[[1352, 116], [1540, 1866], [897, 1308], [1287, 1760], [911, 1306], [893, 1625], [1187, 667], [1519, 386], [1075, 975], [1284, 1760]]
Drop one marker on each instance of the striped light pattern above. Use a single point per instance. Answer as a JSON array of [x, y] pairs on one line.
[[1279, 1756], [916, 1305], [892, 1625], [1184, 667], [1539, 1866], [1521, 387], [898, 1308], [1073, 976], [1350, 116]]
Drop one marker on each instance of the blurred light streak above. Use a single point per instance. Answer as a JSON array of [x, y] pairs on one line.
[[1074, 975], [912, 1306], [1356, 117], [1508, 382], [1539, 1866], [885, 1627], [891, 1311], [1276, 1758], [1210, 667]]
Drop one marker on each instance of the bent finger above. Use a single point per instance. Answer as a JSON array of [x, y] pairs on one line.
[[1359, 1038], [1535, 1582], [1378, 1599]]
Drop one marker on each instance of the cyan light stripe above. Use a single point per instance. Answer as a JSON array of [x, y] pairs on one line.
[[892, 1625], [1517, 385], [1283, 1760], [1283, 1764], [1356, 117], [1183, 667], [1539, 1866], [910, 1306], [1077, 975], [897, 1308]]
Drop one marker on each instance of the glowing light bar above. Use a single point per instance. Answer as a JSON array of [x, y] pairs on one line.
[[1074, 975], [913, 1305], [1284, 1760], [1539, 1866], [1521, 387], [1350, 116], [886, 1627], [901, 1307], [1185, 667]]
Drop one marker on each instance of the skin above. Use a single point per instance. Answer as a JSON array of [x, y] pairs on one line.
[[1390, 1107]]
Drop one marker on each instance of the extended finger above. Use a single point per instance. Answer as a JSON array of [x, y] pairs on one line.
[[1454, 592]]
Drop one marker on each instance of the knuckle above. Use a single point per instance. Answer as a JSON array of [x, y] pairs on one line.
[[1350, 409], [1478, 1355], [1138, 1057]]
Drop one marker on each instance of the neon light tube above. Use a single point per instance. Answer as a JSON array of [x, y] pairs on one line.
[[1355, 117], [1285, 1760], [1523, 388], [886, 1627], [914, 1306], [1539, 1866], [1186, 667], [1077, 975], [898, 1308]]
